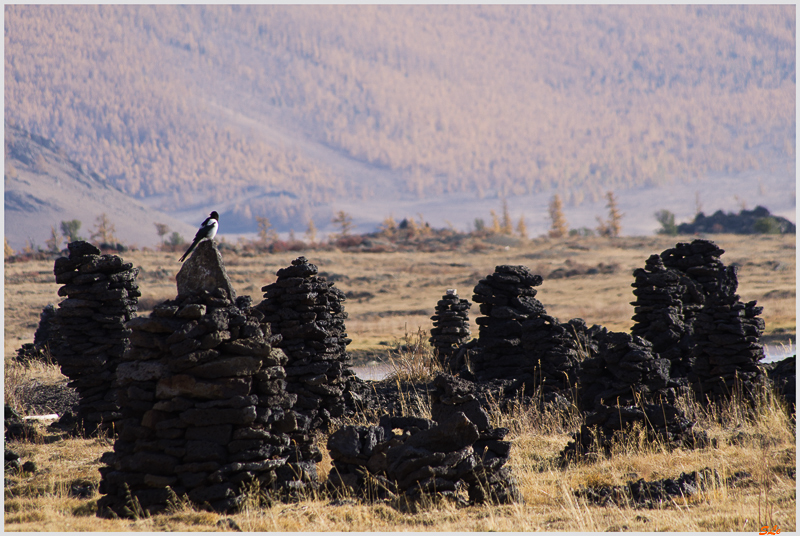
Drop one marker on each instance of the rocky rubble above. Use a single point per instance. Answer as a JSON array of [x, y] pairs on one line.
[[205, 409], [662, 423], [657, 493], [450, 327], [456, 452], [91, 336], [308, 312], [517, 338]]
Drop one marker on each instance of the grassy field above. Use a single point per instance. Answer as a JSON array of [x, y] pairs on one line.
[[392, 295]]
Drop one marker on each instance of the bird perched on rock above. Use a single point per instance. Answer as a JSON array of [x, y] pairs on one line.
[[208, 229]]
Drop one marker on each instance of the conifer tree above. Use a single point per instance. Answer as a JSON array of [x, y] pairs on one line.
[[54, 243], [558, 225], [522, 230], [345, 223], [496, 228], [311, 232], [266, 234], [506, 227], [104, 230]]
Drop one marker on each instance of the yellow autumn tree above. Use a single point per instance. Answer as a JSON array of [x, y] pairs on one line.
[[558, 223]]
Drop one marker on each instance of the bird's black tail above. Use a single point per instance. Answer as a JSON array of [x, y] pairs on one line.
[[188, 251]]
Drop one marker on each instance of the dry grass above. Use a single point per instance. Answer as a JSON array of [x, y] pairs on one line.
[[761, 442]]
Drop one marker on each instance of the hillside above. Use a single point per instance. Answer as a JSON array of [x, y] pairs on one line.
[[43, 187], [284, 110]]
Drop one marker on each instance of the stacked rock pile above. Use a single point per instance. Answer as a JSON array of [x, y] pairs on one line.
[[457, 452], [622, 370], [662, 423], [783, 375], [308, 312], [450, 327], [688, 308], [517, 339], [727, 348], [667, 302], [204, 404], [38, 350], [91, 336]]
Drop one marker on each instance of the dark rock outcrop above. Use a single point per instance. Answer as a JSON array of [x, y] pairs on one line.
[[662, 423], [783, 375], [687, 307], [658, 493], [101, 295]]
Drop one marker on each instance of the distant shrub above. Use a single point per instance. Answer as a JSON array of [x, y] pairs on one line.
[[667, 221], [767, 225], [583, 231]]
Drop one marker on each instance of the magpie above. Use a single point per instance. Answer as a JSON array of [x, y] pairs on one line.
[[207, 230]]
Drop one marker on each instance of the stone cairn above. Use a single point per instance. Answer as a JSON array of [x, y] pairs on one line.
[[517, 339], [622, 369], [663, 423], [308, 312], [38, 350], [456, 451], [688, 308], [205, 411], [450, 327], [91, 334], [624, 384], [783, 375]]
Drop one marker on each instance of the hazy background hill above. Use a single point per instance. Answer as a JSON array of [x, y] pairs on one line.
[[293, 112], [43, 187]]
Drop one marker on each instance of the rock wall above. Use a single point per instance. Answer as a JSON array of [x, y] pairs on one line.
[[308, 312], [205, 409], [91, 336]]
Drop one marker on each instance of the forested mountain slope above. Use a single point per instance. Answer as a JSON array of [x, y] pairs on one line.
[[274, 110]]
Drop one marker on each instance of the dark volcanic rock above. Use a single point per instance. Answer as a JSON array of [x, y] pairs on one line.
[[88, 334], [657, 493], [205, 409], [783, 375], [459, 452], [517, 339], [450, 328], [204, 270], [687, 307], [308, 313]]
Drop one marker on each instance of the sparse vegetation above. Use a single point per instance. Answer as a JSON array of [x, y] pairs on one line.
[[70, 230], [667, 221]]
